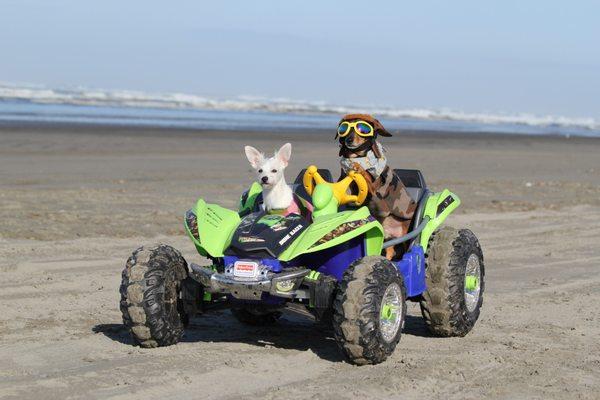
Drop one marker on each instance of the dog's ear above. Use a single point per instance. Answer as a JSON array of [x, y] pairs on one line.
[[284, 154], [254, 156]]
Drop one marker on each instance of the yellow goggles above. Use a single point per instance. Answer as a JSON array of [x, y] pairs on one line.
[[362, 128]]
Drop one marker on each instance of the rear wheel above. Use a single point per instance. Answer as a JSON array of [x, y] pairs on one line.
[[150, 295], [369, 310], [455, 282]]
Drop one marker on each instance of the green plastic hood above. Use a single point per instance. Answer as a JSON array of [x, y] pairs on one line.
[[333, 229], [216, 226]]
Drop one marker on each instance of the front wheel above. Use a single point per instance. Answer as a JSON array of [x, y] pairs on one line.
[[455, 282], [150, 295], [369, 310]]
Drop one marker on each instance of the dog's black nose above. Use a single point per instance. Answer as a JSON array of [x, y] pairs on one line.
[[264, 179]]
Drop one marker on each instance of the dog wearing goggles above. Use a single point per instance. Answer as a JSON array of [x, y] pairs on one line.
[[360, 151]]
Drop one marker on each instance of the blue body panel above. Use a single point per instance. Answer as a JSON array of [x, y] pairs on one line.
[[412, 267], [335, 260], [332, 261]]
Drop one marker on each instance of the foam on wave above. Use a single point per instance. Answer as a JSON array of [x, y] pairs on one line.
[[127, 98]]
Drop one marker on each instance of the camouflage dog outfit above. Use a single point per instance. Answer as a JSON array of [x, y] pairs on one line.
[[387, 194]]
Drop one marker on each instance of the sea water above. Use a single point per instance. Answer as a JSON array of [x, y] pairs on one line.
[[126, 108]]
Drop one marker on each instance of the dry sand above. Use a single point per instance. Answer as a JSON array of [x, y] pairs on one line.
[[75, 201]]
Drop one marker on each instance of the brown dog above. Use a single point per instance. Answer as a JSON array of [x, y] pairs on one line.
[[388, 199]]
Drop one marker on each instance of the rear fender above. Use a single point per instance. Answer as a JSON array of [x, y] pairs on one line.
[[438, 207]]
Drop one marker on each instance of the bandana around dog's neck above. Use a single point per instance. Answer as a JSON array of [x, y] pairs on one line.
[[369, 162]]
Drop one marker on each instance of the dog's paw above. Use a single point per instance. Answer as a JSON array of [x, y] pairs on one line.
[[360, 170]]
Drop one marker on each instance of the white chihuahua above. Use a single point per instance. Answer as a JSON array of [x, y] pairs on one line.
[[277, 195]]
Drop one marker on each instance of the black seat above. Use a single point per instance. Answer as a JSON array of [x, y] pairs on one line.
[[413, 181], [417, 188]]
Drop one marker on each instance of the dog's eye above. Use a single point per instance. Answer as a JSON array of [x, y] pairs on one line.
[[260, 171], [274, 171]]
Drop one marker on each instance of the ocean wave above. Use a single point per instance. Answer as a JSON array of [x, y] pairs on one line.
[[128, 98]]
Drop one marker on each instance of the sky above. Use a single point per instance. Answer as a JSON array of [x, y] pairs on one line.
[[539, 57]]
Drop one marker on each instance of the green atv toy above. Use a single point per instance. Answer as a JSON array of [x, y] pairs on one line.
[[329, 265]]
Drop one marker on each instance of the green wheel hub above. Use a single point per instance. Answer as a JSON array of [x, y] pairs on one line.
[[390, 313], [472, 282], [387, 312]]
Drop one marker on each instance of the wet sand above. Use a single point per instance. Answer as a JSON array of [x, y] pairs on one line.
[[75, 201]]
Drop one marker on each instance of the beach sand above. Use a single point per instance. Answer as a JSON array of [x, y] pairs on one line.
[[75, 201]]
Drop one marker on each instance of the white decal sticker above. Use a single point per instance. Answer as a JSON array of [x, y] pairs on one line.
[[290, 234]]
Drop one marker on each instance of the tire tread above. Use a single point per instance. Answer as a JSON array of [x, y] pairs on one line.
[[151, 274], [356, 310], [442, 305]]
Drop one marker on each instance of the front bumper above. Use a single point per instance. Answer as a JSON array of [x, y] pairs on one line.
[[283, 284]]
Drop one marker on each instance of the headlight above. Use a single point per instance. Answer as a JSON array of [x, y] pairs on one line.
[[192, 223], [285, 286]]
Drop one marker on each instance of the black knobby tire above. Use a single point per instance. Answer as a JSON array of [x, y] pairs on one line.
[[357, 310], [255, 316], [150, 304], [443, 305]]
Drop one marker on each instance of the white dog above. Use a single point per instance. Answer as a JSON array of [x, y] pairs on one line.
[[277, 195]]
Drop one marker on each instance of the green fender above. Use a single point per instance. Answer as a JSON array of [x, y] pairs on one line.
[[438, 207], [216, 226], [359, 222]]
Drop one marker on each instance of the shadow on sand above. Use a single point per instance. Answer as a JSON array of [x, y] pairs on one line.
[[291, 332], [415, 326]]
